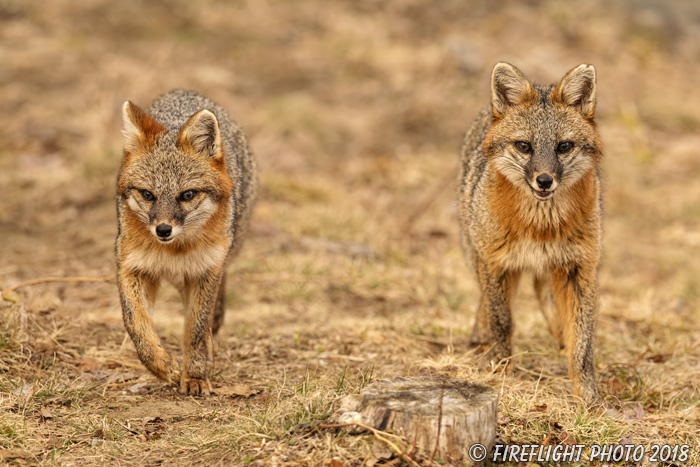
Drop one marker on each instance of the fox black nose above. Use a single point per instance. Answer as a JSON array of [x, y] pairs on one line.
[[164, 230], [544, 181]]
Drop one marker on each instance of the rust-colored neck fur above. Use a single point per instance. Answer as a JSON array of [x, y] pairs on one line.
[[561, 217]]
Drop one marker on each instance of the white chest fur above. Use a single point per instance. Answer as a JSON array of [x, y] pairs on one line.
[[538, 257], [174, 267]]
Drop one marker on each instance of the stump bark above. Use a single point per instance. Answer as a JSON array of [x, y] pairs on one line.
[[419, 408]]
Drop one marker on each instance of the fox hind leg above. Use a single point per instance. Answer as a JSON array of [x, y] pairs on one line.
[[219, 306], [545, 297]]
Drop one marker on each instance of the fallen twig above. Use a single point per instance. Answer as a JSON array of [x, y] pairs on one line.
[[447, 180], [641, 356], [380, 435], [540, 374], [437, 438], [413, 447], [59, 279]]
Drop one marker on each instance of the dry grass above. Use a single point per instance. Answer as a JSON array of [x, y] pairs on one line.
[[356, 111]]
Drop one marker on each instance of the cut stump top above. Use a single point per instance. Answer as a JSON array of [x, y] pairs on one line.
[[422, 395]]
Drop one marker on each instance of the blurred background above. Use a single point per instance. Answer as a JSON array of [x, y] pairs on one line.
[[356, 111], [361, 104]]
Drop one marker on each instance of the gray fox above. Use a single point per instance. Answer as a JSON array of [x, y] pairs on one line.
[[530, 199], [185, 192]]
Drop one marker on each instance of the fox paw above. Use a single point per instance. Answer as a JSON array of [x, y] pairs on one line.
[[497, 357], [164, 367], [588, 393], [195, 386], [174, 373]]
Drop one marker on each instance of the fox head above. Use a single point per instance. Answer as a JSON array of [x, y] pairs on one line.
[[172, 180], [543, 138]]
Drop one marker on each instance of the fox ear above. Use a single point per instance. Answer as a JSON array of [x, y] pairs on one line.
[[577, 89], [201, 133], [140, 130], [508, 87]]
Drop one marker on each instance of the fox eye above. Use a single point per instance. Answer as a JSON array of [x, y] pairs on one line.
[[187, 195], [523, 146], [564, 147], [147, 195]]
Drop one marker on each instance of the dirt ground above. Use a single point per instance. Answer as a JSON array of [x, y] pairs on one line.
[[352, 270]]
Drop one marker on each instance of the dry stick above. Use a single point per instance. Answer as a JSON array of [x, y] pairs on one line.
[[127, 428], [437, 439], [540, 374], [245, 278], [377, 434], [59, 279], [265, 278], [422, 207], [415, 440], [126, 363], [546, 442], [639, 359]]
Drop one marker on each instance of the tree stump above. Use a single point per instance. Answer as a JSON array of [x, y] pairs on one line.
[[415, 407]]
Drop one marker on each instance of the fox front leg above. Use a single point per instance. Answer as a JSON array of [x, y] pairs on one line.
[[576, 298], [493, 327], [137, 293], [202, 295]]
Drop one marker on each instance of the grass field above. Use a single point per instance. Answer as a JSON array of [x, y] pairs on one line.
[[352, 270]]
